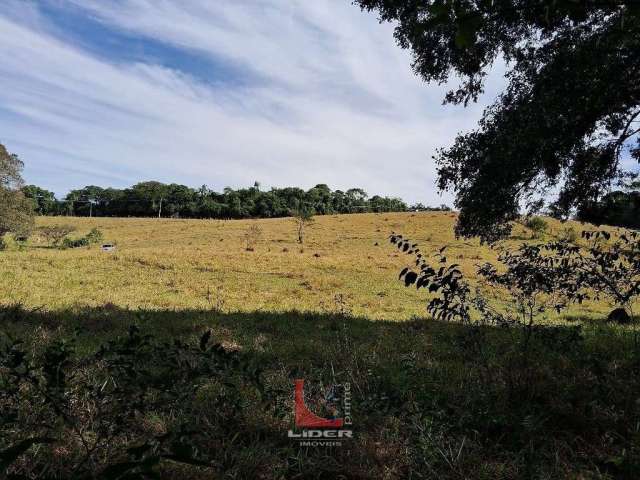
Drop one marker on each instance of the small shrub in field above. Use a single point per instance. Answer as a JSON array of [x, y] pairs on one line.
[[55, 234], [75, 242], [538, 278], [94, 236], [609, 267], [570, 235], [533, 285], [21, 242], [252, 237], [537, 225], [11, 242]]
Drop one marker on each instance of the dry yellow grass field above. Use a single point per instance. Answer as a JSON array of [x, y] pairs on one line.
[[346, 264], [431, 399]]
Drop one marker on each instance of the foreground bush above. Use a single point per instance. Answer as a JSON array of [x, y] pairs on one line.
[[426, 402], [535, 278], [120, 412]]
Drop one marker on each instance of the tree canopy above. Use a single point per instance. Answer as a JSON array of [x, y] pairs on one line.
[[152, 199], [16, 211], [568, 116]]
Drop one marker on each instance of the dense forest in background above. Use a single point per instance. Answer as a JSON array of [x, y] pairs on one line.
[[618, 208], [153, 199]]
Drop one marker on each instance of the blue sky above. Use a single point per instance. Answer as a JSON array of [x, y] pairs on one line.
[[223, 93]]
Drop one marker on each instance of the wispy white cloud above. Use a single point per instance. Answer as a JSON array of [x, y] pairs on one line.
[[331, 99]]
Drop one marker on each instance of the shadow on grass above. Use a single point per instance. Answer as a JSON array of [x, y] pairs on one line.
[[283, 332], [430, 398], [287, 335]]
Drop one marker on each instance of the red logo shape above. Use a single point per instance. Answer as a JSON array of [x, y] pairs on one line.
[[308, 419]]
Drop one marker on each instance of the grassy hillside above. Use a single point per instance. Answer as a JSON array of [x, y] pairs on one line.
[[346, 264], [430, 399]]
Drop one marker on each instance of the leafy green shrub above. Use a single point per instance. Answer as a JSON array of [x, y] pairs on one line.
[[537, 225], [21, 241], [75, 242], [94, 236], [609, 267], [538, 278], [120, 412], [11, 242]]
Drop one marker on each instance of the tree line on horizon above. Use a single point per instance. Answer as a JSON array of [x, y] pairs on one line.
[[156, 199], [153, 199], [620, 208]]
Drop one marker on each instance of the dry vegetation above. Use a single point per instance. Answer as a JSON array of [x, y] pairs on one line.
[[430, 399], [346, 264]]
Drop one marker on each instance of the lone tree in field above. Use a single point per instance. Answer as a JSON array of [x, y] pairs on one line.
[[570, 111], [252, 237], [16, 210], [55, 234], [303, 217]]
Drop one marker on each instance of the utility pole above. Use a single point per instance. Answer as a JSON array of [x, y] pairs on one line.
[[160, 209]]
